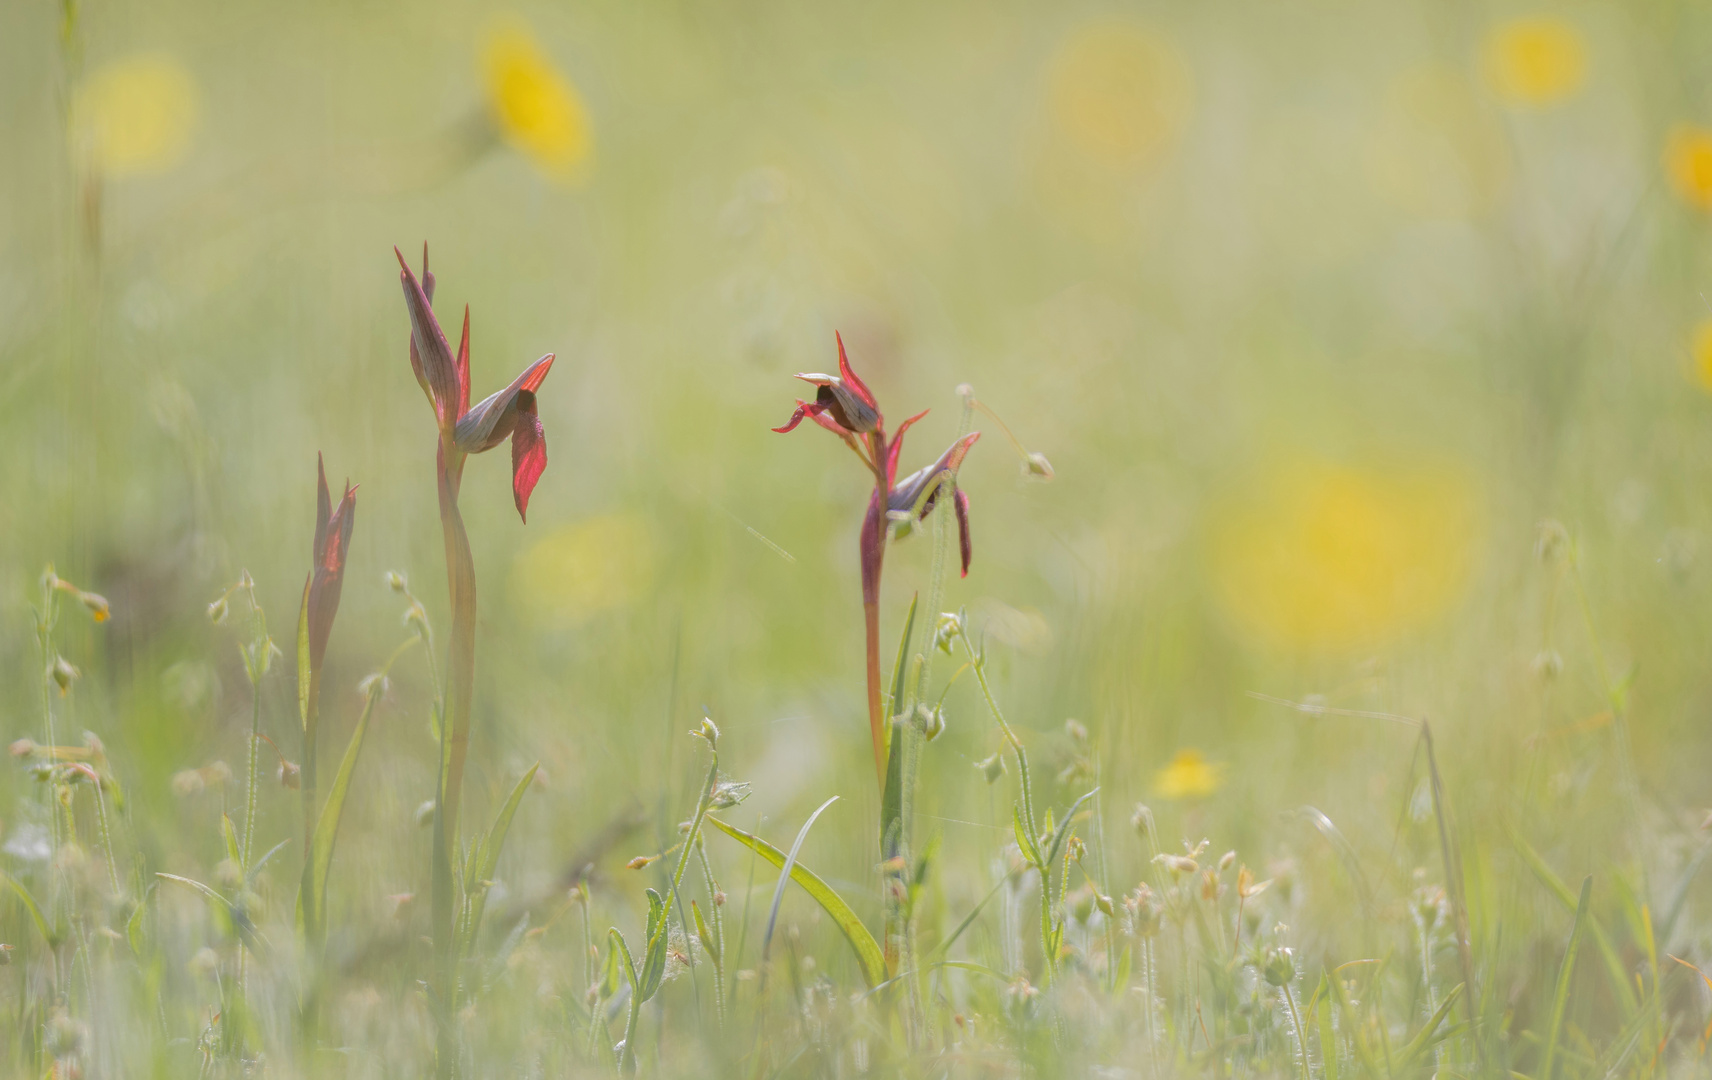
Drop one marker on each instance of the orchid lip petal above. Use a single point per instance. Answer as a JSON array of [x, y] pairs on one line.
[[492, 420]]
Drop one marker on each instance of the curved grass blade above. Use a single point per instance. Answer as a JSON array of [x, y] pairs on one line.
[[785, 876], [34, 909], [868, 955], [485, 859], [903, 653], [312, 891], [1063, 831], [1417, 1047], [1560, 996], [1614, 966], [1346, 852]]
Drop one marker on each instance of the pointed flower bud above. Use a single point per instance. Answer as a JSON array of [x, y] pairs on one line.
[[511, 414], [333, 528], [842, 403]]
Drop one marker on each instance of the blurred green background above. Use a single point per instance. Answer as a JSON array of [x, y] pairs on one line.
[[1316, 309]]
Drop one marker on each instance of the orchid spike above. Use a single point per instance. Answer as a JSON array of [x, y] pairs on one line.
[[333, 530], [445, 378], [845, 406]]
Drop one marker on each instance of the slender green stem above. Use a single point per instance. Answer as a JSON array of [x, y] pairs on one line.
[[717, 921], [1301, 1043], [248, 850]]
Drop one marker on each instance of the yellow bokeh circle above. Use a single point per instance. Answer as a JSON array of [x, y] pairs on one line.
[[136, 115]]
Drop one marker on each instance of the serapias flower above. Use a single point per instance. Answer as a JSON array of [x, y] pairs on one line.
[[445, 378], [845, 406], [333, 528]]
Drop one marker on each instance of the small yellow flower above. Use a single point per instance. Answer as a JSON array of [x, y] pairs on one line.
[[135, 115], [1323, 557], [535, 107], [1702, 355], [1119, 92], [1188, 776], [584, 569], [1688, 164], [1536, 61]]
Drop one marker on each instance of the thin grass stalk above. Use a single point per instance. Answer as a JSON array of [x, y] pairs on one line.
[[1453, 878], [306, 768], [1301, 1040], [718, 926]]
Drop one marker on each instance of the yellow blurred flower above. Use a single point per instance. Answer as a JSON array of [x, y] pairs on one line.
[[1688, 164], [1439, 150], [1188, 776], [1119, 92], [1326, 557], [1701, 357], [584, 569], [135, 115], [536, 108], [1536, 61]]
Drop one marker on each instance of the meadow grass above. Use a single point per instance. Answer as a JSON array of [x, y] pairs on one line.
[[1325, 698]]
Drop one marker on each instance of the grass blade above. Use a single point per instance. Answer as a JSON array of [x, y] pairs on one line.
[[1614, 966], [1417, 1047], [34, 909], [784, 876], [1560, 997], [312, 891], [485, 859], [868, 954]]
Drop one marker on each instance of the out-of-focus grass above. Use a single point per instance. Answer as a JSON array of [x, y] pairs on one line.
[[1315, 309]]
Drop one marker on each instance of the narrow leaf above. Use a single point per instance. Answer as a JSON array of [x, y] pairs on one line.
[[784, 876], [1616, 971], [1063, 831], [489, 850], [35, 911], [230, 831], [1417, 1047], [1560, 997], [303, 666], [312, 891], [868, 954], [654, 960], [1024, 837], [903, 652]]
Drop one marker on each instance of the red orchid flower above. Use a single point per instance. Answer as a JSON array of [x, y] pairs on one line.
[[333, 528], [509, 414], [845, 406], [332, 540]]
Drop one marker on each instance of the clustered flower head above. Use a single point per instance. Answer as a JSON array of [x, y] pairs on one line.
[[508, 414]]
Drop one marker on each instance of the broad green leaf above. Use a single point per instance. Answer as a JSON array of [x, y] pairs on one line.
[[35, 911], [485, 858], [312, 890], [609, 975], [303, 673], [868, 955], [1560, 996]]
